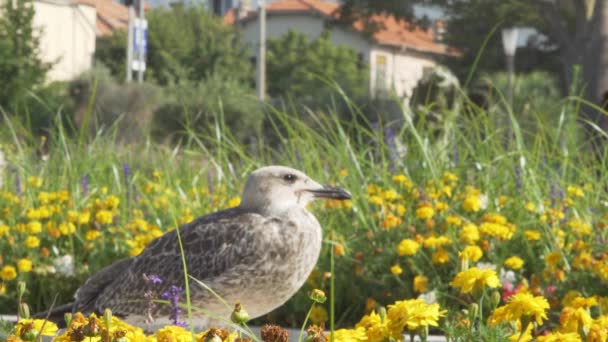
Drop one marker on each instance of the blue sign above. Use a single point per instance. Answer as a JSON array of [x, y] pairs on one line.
[[140, 35]]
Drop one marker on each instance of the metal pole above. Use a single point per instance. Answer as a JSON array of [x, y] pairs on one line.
[[510, 73], [140, 32], [130, 45], [261, 77]]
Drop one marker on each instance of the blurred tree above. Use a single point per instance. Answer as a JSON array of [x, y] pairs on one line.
[[575, 29], [184, 44], [21, 66], [301, 68]]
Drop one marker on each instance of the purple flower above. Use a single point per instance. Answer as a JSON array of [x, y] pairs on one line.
[[154, 279], [18, 184], [173, 296], [84, 184], [126, 171]]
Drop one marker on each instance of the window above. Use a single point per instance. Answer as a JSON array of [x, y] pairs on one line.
[[381, 84]]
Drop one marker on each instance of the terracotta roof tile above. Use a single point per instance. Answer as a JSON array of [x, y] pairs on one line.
[[111, 15], [392, 31]]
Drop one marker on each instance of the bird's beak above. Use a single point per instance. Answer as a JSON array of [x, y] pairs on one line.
[[328, 191]]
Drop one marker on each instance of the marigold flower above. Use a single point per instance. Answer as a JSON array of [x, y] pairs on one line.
[[396, 270], [34, 227], [469, 234], [4, 230], [514, 262], [425, 212], [421, 283], [318, 315], [575, 319], [348, 335], [532, 235], [32, 241], [391, 221], [41, 326], [24, 265], [407, 247], [412, 314], [471, 253], [375, 327], [472, 203], [34, 182], [440, 256], [92, 234], [8, 273], [521, 304], [67, 228], [453, 220], [104, 217], [475, 279], [560, 337], [437, 241]]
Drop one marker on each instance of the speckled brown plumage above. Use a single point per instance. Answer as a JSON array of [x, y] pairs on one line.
[[259, 253]]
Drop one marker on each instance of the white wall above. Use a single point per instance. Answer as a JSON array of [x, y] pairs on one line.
[[68, 36], [404, 69], [312, 25]]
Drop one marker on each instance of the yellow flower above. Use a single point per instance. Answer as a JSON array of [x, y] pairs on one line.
[[530, 207], [348, 335], [92, 234], [532, 235], [4, 230], [67, 228], [425, 212], [318, 315], [437, 241], [34, 182], [412, 314], [582, 302], [475, 279], [391, 221], [498, 230], [514, 262], [112, 202], [449, 177], [34, 227], [8, 273], [234, 202], [24, 265], [553, 259], [104, 217], [453, 220], [471, 253], [396, 270], [32, 242], [43, 327], [408, 247], [472, 203], [421, 283], [575, 191], [2, 289], [559, 337], [375, 327], [174, 334], [575, 319], [440, 256], [599, 330], [469, 234], [521, 304]]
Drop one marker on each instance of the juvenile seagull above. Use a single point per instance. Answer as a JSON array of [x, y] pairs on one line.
[[259, 253]]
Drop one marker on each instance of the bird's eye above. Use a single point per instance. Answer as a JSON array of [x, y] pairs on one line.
[[290, 178]]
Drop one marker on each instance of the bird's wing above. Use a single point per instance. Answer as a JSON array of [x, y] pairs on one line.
[[213, 245]]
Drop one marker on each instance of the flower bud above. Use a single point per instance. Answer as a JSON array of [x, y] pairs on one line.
[[107, 317], [318, 296], [68, 318], [495, 299], [24, 311], [474, 309], [239, 316], [21, 289], [30, 335]]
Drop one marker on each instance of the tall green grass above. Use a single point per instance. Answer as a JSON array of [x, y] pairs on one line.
[[534, 162]]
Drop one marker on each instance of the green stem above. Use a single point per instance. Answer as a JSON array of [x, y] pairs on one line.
[[305, 322]]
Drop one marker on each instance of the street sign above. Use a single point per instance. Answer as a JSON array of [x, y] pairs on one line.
[[140, 33]]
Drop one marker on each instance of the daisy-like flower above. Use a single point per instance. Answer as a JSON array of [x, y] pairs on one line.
[[375, 327], [522, 304], [560, 337], [34, 327], [348, 335], [475, 279], [412, 314], [514, 263]]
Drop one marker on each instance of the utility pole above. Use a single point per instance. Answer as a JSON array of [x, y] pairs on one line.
[[130, 44], [261, 75]]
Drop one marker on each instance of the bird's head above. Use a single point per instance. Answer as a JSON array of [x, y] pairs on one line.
[[275, 190]]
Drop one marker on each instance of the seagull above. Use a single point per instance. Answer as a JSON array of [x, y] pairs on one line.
[[259, 254]]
